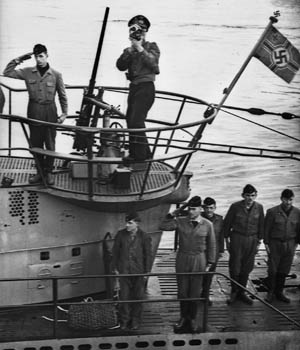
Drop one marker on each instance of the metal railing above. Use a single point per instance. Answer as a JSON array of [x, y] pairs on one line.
[[164, 138], [55, 301]]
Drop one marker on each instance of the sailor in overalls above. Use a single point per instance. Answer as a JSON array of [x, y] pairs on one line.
[[196, 253], [243, 232], [282, 233], [131, 255]]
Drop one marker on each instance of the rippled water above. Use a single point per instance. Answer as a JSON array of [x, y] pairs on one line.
[[203, 44]]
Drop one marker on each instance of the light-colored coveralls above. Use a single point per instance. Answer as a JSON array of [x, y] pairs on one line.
[[217, 221], [197, 248]]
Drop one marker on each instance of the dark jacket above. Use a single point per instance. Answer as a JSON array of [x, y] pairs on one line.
[[217, 221], [239, 220], [141, 66], [132, 256], [280, 226]]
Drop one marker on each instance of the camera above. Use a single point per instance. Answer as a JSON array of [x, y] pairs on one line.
[[135, 32]]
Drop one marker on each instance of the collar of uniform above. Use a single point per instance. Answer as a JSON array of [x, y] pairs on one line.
[[198, 219], [209, 218], [35, 70], [243, 204], [284, 211]]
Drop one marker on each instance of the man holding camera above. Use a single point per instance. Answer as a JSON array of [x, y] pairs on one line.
[[140, 60], [42, 83]]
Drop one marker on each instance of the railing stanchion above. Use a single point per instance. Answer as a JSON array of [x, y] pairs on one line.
[[9, 122], [55, 313]]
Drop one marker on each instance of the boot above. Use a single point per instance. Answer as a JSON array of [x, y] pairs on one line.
[[244, 298], [243, 279], [280, 280], [182, 323], [234, 291], [196, 321], [271, 286], [50, 179], [35, 179]]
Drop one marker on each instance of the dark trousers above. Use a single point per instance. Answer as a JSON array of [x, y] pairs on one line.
[[42, 136], [131, 288], [279, 263], [242, 256], [140, 100], [281, 256]]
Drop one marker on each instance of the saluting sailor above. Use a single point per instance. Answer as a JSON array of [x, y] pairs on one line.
[[197, 253], [42, 82]]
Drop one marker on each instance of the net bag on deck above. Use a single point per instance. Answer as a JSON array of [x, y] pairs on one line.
[[92, 315]]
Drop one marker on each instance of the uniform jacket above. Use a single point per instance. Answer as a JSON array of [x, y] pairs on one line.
[[132, 256], [193, 240], [241, 221], [141, 66], [280, 226], [217, 221], [41, 89]]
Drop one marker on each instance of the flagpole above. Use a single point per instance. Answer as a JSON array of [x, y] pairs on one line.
[[228, 90], [215, 110]]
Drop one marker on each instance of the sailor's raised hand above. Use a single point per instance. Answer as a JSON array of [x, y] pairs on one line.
[[24, 57]]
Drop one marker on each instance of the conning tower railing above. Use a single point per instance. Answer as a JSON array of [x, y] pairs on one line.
[[171, 136]]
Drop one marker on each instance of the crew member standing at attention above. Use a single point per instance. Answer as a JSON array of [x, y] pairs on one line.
[[42, 82], [243, 231], [209, 206], [197, 253], [140, 60], [132, 255], [282, 231]]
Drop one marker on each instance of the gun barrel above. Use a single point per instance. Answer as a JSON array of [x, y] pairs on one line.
[[98, 53]]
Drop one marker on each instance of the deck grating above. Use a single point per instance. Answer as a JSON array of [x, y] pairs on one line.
[[20, 169]]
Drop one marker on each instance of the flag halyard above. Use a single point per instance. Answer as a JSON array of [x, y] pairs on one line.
[[278, 54]]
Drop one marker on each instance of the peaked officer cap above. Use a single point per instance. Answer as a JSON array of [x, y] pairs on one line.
[[195, 202], [141, 20]]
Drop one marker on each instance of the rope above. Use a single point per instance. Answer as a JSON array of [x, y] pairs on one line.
[[263, 126]]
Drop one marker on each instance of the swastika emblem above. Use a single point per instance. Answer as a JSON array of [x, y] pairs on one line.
[[280, 57]]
